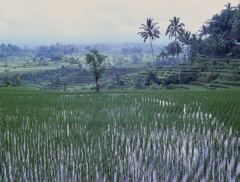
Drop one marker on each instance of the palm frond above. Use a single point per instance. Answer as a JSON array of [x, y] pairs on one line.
[[150, 30]]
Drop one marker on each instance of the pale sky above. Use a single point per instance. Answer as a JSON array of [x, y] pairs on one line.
[[101, 21]]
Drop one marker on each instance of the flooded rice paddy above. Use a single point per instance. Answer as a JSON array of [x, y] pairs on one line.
[[138, 136]]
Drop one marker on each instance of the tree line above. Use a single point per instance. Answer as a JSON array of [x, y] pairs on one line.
[[219, 37], [52, 52]]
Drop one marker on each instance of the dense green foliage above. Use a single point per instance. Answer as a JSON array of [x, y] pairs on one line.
[[218, 37], [225, 27]]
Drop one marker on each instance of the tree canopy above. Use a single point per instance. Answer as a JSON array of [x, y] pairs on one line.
[[225, 26], [96, 62]]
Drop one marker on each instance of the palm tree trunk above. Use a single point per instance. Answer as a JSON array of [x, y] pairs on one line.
[[179, 76], [64, 87], [97, 85], [211, 70], [184, 53], [212, 67], [152, 50]]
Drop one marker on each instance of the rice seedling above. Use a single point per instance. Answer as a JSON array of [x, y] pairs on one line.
[[132, 136]]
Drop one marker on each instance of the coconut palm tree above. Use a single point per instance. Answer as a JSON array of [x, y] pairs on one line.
[[194, 47], [174, 30], [163, 54], [150, 31], [172, 49], [228, 8], [185, 38], [203, 31], [236, 24], [214, 42]]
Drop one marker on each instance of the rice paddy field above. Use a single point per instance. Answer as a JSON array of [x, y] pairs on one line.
[[119, 136]]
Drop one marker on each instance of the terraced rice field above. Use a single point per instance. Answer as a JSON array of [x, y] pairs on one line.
[[132, 136]]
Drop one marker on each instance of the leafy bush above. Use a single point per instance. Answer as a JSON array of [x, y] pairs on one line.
[[151, 79]]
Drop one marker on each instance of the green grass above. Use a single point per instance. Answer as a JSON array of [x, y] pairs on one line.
[[117, 135]]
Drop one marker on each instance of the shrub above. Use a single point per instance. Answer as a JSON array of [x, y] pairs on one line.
[[151, 79]]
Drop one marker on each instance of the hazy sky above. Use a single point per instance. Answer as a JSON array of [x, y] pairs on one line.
[[77, 21]]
